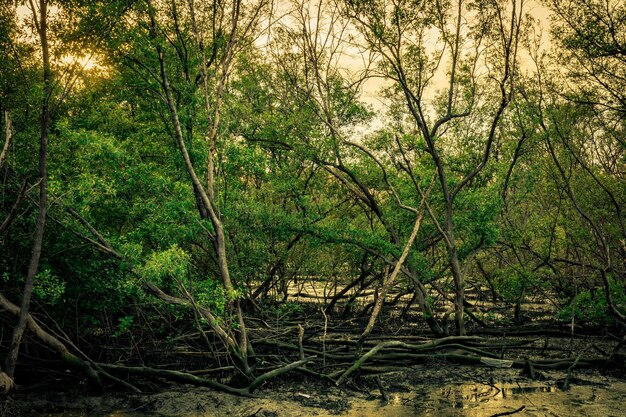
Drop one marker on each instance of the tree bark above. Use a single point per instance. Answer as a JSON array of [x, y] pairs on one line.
[[33, 266], [16, 206], [8, 137], [206, 195], [72, 360], [396, 270]]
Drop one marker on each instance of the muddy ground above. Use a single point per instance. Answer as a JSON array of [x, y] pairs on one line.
[[437, 389]]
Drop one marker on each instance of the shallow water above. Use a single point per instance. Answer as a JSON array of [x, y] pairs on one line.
[[477, 400], [465, 399]]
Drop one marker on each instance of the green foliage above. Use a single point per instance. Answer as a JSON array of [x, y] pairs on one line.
[[305, 187], [478, 218], [166, 267], [510, 283], [124, 325], [590, 306], [48, 287], [211, 294], [587, 307], [288, 310]]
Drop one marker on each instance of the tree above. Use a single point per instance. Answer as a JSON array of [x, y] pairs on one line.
[[309, 50], [580, 117], [40, 22], [186, 53], [477, 93]]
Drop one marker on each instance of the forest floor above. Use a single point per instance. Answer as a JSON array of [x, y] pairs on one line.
[[420, 383], [433, 390]]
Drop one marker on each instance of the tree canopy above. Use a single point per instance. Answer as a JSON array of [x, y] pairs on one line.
[[177, 166]]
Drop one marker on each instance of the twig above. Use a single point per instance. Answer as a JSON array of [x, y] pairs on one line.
[[324, 338], [508, 413], [570, 370], [382, 390], [300, 338]]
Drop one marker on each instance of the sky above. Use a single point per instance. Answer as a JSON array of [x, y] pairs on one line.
[[353, 61]]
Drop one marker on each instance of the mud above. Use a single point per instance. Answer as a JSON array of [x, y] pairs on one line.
[[430, 391]]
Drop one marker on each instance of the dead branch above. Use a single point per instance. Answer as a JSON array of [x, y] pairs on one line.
[[276, 372], [508, 413], [364, 358], [72, 360], [8, 137], [14, 209], [177, 376]]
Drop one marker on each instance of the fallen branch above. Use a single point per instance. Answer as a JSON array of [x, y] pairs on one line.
[[364, 358], [93, 378], [177, 376], [381, 388], [276, 372], [570, 371], [189, 378], [289, 346], [508, 413]]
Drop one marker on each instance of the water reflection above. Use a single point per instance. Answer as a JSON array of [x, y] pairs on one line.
[[468, 396], [460, 400]]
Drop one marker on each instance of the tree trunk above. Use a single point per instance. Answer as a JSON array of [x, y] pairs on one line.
[[396, 270], [8, 137], [33, 266], [459, 290], [206, 195], [69, 358]]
